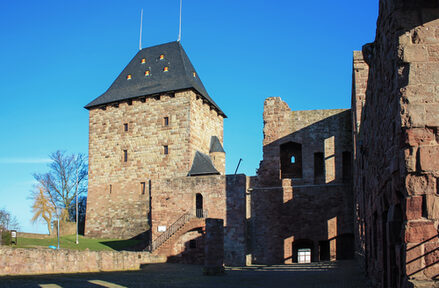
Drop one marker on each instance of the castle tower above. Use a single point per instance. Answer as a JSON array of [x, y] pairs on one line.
[[149, 126]]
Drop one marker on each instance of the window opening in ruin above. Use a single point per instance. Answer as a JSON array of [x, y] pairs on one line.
[[166, 121], [125, 155], [142, 188], [199, 205], [193, 244], [129, 77], [347, 166], [147, 73], [319, 168], [305, 246], [304, 255], [162, 57], [165, 150], [125, 127], [324, 250], [291, 160], [143, 61], [166, 69], [111, 188], [194, 74]]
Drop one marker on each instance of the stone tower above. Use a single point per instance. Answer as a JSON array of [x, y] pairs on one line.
[[154, 123]]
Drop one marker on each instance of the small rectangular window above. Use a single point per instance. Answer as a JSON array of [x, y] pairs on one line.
[[125, 155], [166, 121], [111, 188], [125, 127], [142, 188], [165, 150]]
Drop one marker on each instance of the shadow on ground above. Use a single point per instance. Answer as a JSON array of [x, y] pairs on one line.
[[324, 274]]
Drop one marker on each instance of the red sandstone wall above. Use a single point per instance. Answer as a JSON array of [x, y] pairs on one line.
[[288, 213], [397, 146]]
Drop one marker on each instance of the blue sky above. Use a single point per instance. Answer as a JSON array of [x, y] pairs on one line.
[[57, 56]]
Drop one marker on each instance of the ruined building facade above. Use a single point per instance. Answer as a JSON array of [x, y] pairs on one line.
[[395, 105]]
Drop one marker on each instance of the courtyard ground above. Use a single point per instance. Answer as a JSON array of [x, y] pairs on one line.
[[345, 274]]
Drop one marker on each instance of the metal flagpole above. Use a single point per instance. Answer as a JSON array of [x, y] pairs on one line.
[[179, 27], [77, 241], [140, 38]]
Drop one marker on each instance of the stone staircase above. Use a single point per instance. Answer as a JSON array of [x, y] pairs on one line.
[[163, 244]]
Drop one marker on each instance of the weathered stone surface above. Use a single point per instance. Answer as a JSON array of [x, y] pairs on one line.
[[428, 158], [18, 261], [214, 247], [419, 231], [432, 206], [396, 139], [414, 207]]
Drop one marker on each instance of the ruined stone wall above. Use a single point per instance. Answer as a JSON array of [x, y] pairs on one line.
[[119, 190], [397, 147], [317, 214], [28, 261], [324, 131], [311, 211], [236, 239]]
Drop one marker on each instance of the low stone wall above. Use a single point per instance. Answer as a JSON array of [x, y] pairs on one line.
[[21, 261]]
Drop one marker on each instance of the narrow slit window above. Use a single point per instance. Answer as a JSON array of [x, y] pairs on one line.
[[142, 188], [194, 74], [162, 57], [166, 150], [143, 61], [129, 77], [166, 69], [125, 127], [125, 155], [147, 73], [166, 121], [111, 188]]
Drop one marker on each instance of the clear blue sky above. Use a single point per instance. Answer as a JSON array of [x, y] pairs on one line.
[[57, 56]]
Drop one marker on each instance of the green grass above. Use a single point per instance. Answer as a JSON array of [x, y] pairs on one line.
[[69, 242]]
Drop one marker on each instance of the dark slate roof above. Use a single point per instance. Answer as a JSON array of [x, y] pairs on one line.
[[202, 165], [215, 145], [179, 77]]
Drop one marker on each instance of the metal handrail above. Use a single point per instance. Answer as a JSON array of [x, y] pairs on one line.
[[157, 242]]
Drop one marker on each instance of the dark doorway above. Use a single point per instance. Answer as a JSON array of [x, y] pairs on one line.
[[199, 205], [291, 160], [324, 250], [347, 166], [305, 247], [319, 168]]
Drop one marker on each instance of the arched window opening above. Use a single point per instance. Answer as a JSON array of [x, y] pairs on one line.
[[199, 205]]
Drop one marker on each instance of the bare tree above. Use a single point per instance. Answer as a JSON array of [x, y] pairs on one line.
[[8, 221], [67, 176]]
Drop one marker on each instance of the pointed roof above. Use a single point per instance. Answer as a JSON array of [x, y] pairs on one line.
[[180, 74], [202, 165], [215, 145]]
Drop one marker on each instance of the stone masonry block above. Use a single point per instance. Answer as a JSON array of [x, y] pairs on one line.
[[432, 206], [414, 207], [420, 184], [429, 158], [415, 53], [419, 231], [417, 136]]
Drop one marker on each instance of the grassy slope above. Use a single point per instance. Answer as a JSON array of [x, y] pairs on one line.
[[68, 242]]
